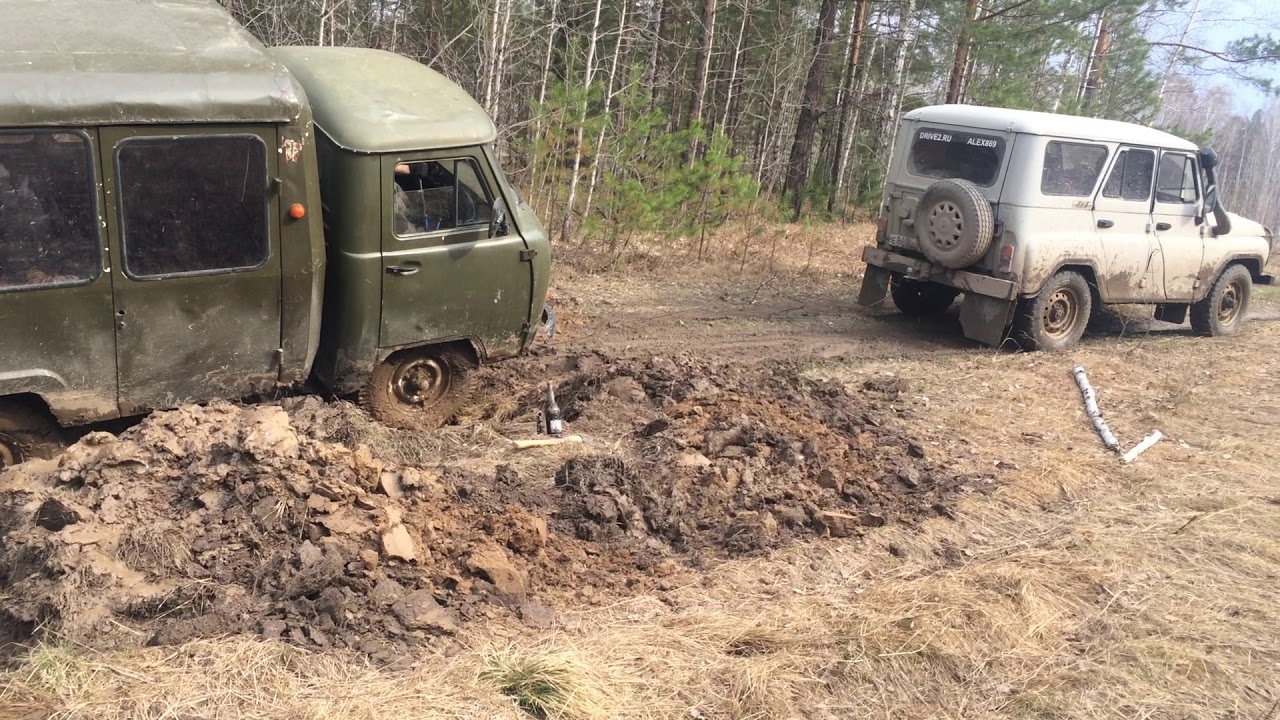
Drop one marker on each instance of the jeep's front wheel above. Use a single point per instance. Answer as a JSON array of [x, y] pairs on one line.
[[922, 299], [1222, 311], [26, 433], [418, 388], [1055, 318]]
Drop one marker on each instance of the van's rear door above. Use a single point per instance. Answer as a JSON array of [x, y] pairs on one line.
[[444, 277], [55, 291], [194, 220]]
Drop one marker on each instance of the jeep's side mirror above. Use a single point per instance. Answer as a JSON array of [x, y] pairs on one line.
[[1207, 203], [498, 224]]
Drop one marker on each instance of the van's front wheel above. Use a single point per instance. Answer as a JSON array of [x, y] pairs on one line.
[[421, 387]]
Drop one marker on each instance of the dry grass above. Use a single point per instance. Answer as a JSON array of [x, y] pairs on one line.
[[1081, 588]]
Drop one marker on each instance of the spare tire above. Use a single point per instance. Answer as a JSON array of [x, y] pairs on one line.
[[954, 223]]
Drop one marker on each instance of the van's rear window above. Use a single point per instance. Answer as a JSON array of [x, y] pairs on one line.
[[945, 154]]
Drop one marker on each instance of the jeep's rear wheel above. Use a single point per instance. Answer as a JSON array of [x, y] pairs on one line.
[[1055, 318], [922, 299], [25, 434], [1222, 311], [954, 222], [418, 388]]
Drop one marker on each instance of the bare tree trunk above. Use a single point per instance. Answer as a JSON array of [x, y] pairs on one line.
[[853, 128], [1177, 52], [655, 54], [582, 121], [810, 110], [737, 60], [597, 159], [704, 62], [501, 72], [889, 131], [542, 95], [857, 29], [956, 84], [1095, 76]]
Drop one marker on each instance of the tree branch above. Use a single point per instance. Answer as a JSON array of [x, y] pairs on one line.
[[1225, 57]]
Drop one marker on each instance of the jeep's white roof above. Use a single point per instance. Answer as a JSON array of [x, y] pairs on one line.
[[1048, 124]]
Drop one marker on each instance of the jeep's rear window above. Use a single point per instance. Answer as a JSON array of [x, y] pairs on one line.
[[950, 154], [48, 210], [1072, 169], [195, 204]]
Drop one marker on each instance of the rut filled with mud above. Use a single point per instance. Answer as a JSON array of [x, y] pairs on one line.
[[278, 520]]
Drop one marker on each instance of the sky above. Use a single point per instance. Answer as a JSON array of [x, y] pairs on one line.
[[1219, 22]]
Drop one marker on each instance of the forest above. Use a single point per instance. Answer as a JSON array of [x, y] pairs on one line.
[[668, 118]]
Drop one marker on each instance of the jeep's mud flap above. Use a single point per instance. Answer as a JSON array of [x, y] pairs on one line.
[[549, 322], [875, 286], [985, 318]]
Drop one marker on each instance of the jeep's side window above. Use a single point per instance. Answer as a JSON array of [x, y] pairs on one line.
[[48, 210], [1176, 181], [439, 195], [1130, 177], [194, 204], [1072, 169]]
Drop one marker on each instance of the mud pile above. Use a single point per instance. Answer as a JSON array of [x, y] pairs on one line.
[[232, 519]]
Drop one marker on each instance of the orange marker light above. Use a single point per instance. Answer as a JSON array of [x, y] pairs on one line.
[[297, 211]]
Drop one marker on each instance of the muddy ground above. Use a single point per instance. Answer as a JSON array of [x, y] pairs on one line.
[[303, 520]]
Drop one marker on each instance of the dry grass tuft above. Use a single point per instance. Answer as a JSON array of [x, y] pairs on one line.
[[550, 683], [157, 548]]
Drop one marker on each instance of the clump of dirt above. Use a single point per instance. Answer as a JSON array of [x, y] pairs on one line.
[[727, 460], [281, 520]]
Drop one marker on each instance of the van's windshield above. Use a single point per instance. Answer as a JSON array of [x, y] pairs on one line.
[[942, 154]]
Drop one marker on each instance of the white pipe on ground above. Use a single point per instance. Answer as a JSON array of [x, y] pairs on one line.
[[1141, 447], [1091, 407]]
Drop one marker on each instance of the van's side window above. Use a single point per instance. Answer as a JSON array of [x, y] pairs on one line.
[[1072, 169], [48, 210], [439, 195], [193, 204], [1130, 177], [1176, 180]]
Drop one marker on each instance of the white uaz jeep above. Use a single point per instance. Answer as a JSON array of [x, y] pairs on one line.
[[1039, 219]]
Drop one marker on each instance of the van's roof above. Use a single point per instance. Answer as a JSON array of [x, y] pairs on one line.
[[375, 101], [1048, 124], [97, 62]]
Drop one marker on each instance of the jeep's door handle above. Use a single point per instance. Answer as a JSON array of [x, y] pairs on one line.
[[1163, 226], [1105, 224], [406, 269]]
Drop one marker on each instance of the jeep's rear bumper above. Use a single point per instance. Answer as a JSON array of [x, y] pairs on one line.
[[922, 270], [988, 304]]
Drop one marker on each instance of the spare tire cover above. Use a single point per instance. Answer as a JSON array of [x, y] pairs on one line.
[[954, 223]]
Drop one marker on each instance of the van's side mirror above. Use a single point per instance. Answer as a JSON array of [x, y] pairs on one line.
[[498, 225]]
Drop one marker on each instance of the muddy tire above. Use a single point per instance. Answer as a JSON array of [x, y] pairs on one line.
[[955, 223], [922, 299], [1222, 311], [1055, 319], [419, 388], [27, 433]]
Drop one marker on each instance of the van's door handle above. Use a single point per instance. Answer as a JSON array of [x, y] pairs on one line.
[[406, 269], [1163, 226], [1105, 224]]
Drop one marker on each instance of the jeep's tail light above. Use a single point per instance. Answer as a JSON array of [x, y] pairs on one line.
[[882, 222], [1006, 258]]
